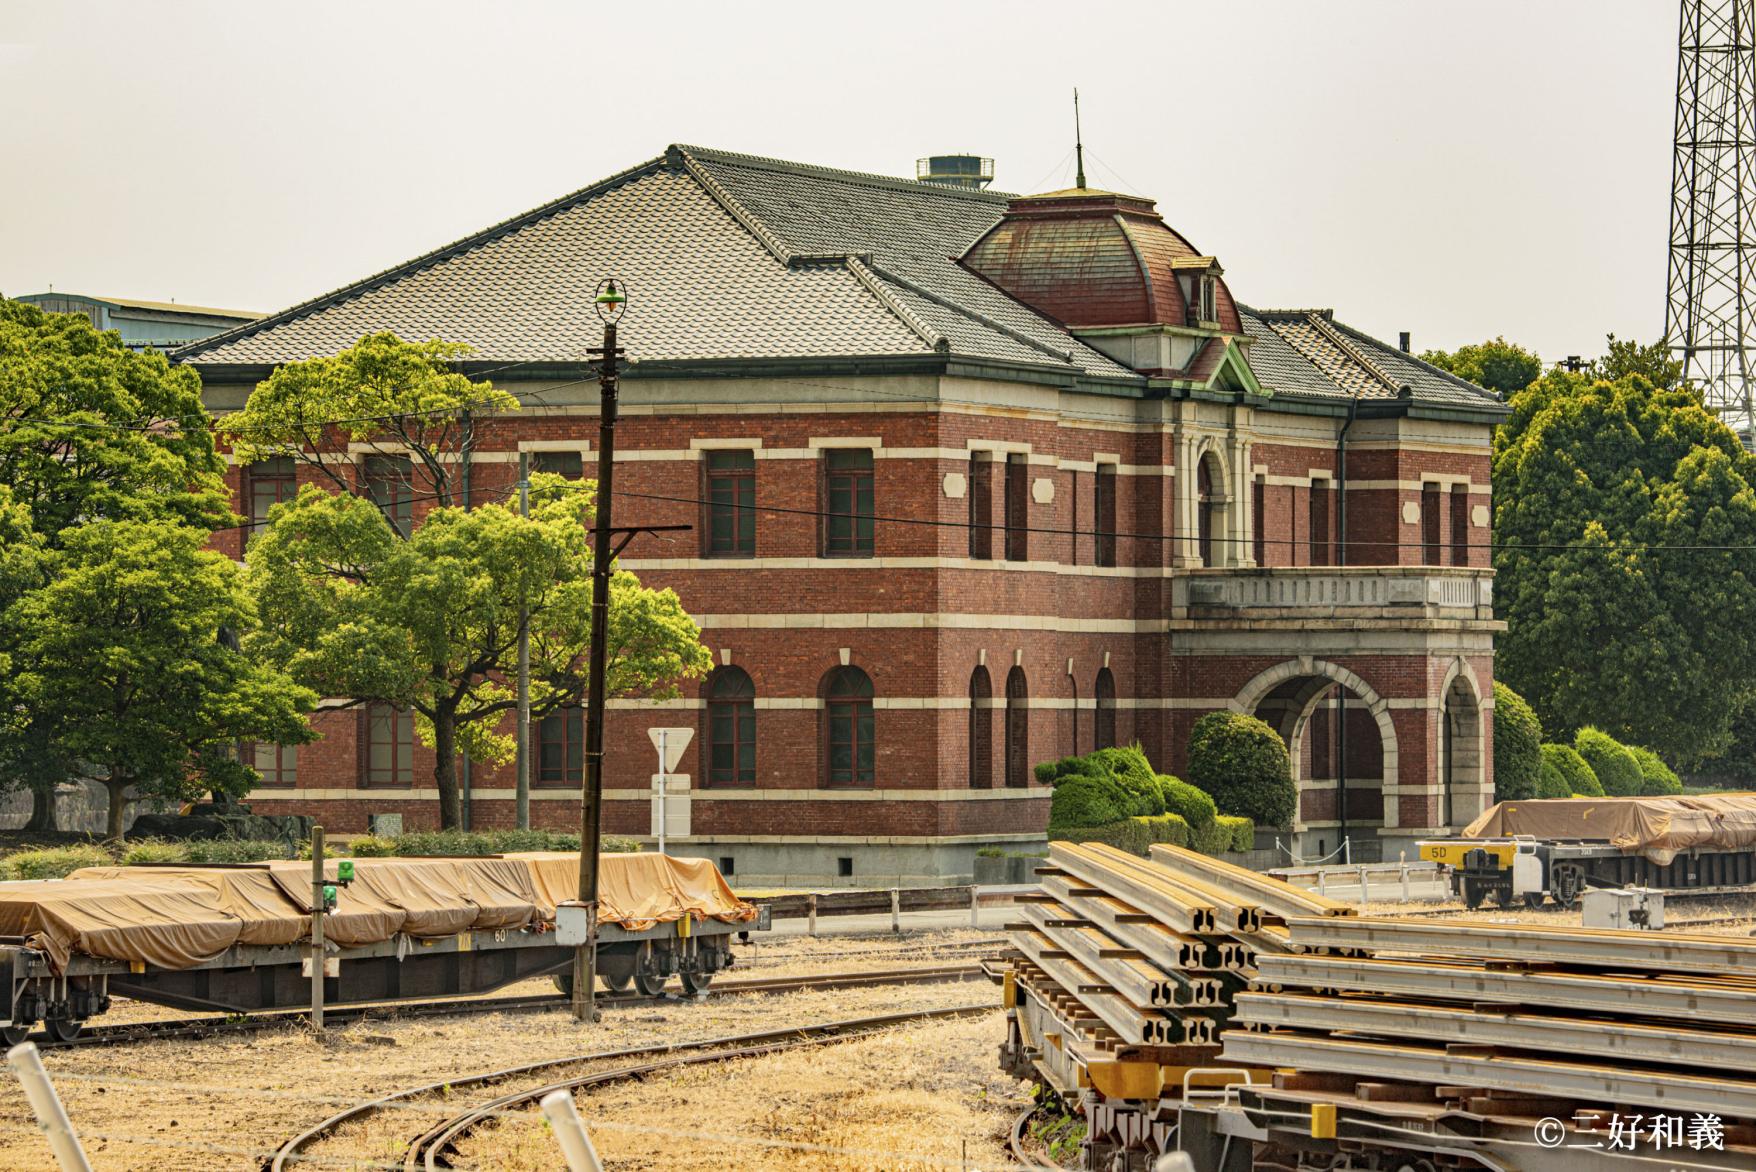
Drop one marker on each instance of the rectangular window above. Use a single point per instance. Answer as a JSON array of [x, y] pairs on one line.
[[278, 764], [269, 482], [731, 504], [851, 742], [388, 757], [1430, 525], [1460, 525], [560, 749], [568, 464], [1103, 514], [1017, 508], [981, 507], [1319, 522], [1259, 521], [390, 485], [848, 500]]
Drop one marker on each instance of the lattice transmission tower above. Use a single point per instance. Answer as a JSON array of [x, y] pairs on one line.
[[1710, 312]]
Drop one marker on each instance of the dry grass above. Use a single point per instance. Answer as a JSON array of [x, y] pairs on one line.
[[223, 1102], [926, 1096]]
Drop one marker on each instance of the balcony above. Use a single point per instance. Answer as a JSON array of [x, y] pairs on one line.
[[1376, 595]]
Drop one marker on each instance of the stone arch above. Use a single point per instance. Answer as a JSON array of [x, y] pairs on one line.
[[1213, 512], [1287, 696], [1461, 751]]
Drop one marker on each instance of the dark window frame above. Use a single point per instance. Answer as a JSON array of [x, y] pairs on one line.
[[1459, 524], [730, 705], [1432, 550], [1104, 697], [565, 457], [1017, 769], [728, 528], [283, 773], [1103, 515], [1317, 522], [981, 507], [848, 719], [1017, 507], [1204, 507], [282, 484], [389, 482], [569, 722], [981, 729], [849, 498], [1259, 520], [402, 749]]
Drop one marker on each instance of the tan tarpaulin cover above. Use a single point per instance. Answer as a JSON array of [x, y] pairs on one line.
[[434, 897], [640, 890], [160, 922], [266, 916], [1655, 827]]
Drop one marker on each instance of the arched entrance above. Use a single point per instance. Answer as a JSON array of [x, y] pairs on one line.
[[1343, 749], [1462, 790]]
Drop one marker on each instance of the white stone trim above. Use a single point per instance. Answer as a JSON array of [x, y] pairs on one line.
[[818, 443], [697, 445]]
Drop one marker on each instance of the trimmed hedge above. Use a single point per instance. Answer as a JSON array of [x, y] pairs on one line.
[[1616, 768], [54, 862], [1565, 774], [1087, 801], [1656, 778], [1134, 835], [1243, 764], [1241, 829], [1193, 805], [1518, 738], [421, 843], [1134, 773]]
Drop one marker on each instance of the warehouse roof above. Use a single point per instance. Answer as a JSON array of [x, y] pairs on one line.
[[735, 257]]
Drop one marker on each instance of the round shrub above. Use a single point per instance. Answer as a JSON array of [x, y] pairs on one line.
[[1518, 737], [1617, 770], [1566, 773], [1184, 800], [1656, 778], [1086, 801], [1243, 764]]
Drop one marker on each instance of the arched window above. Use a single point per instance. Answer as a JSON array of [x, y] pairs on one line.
[[1017, 729], [730, 746], [1204, 510], [848, 747], [1106, 710], [981, 730], [1073, 683]]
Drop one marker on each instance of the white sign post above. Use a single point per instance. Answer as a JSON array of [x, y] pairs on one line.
[[670, 743]]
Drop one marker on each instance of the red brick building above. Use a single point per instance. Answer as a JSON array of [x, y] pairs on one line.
[[977, 482]]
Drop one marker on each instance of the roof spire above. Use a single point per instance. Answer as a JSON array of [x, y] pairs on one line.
[[1078, 143]]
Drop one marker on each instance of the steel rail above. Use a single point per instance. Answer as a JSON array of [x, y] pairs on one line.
[[1171, 908], [1596, 1038], [1590, 992], [1626, 950], [1597, 1085], [426, 1150], [1274, 895], [200, 1027], [1015, 1142]]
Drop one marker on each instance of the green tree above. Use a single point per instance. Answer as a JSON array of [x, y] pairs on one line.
[[90, 431], [1518, 735], [1623, 520], [1656, 363], [1656, 778], [1243, 764], [1565, 773], [1498, 365], [430, 622], [127, 662]]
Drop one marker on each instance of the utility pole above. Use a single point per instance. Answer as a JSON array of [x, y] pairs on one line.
[[611, 301], [522, 765]]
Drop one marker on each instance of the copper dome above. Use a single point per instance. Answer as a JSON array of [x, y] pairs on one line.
[[1090, 258]]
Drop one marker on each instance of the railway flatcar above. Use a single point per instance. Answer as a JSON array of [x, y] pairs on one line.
[[1559, 847], [237, 938]]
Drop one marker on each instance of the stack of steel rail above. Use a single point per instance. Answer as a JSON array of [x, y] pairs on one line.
[[1496, 1011], [1129, 955]]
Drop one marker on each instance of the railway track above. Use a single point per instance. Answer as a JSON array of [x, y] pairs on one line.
[[203, 1027], [431, 1148]]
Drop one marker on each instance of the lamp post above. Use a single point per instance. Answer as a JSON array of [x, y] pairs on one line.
[[611, 302]]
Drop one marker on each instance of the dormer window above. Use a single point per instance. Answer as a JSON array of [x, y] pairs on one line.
[[1209, 304]]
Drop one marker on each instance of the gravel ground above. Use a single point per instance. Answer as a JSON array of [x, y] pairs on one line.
[[224, 1102]]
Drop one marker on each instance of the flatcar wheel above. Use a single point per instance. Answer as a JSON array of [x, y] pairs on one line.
[[649, 978], [12, 1035], [615, 982], [695, 984], [62, 1029], [649, 984], [1533, 899], [1472, 894]]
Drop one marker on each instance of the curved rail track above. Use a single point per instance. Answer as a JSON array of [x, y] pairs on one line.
[[1018, 1142], [201, 1027], [430, 1148]]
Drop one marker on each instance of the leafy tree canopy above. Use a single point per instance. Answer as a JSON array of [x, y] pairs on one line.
[[124, 658], [1518, 762], [1656, 363], [431, 621], [1624, 519], [1498, 365]]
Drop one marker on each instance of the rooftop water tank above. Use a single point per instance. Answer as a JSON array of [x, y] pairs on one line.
[[955, 170]]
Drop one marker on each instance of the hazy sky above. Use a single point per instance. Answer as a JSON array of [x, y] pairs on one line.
[[1458, 169]]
